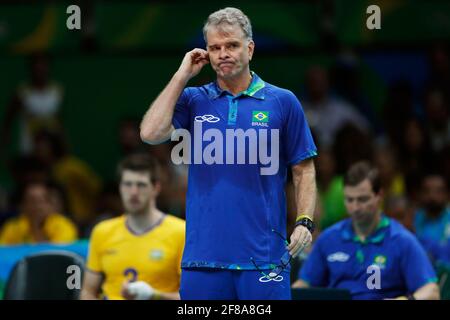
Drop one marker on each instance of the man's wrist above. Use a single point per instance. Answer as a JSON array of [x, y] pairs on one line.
[[306, 221]]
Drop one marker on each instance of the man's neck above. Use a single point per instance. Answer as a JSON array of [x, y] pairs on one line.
[[143, 221], [363, 231], [235, 85]]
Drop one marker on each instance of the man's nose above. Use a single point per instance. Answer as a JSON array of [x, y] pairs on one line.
[[223, 53], [134, 189], [353, 207]]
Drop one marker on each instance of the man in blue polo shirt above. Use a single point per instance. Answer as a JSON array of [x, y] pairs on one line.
[[432, 219], [371, 255], [239, 135]]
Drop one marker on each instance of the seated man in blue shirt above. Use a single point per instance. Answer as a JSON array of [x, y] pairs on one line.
[[370, 255], [432, 220]]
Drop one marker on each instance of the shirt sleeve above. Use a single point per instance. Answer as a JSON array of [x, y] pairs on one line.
[[181, 113], [315, 269], [416, 266], [93, 259], [298, 140]]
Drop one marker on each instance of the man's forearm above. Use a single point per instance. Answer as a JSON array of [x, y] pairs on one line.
[[304, 177], [167, 296], [157, 122], [429, 291], [87, 295]]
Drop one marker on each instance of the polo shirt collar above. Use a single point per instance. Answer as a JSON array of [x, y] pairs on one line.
[[376, 237], [254, 90]]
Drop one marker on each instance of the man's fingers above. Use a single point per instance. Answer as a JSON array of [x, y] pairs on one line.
[[295, 244], [304, 239]]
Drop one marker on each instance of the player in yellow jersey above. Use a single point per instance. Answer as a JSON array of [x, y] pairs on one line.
[[141, 248]]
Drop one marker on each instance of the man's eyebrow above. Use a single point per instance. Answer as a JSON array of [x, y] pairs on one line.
[[227, 42]]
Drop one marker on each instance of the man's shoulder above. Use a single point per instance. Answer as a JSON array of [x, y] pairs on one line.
[[199, 91], [278, 91], [175, 222], [108, 225], [174, 228], [400, 233]]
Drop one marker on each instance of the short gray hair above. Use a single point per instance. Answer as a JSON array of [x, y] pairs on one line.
[[230, 16]]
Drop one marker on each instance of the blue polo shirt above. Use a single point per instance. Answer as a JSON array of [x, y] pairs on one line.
[[231, 206], [434, 233], [339, 259]]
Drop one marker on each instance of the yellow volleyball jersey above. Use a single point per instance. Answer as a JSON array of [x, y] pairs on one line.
[[153, 257]]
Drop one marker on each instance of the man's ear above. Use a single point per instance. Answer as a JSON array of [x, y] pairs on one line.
[[251, 49], [157, 187], [380, 195]]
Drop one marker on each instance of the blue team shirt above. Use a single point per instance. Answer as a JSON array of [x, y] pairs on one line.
[[436, 229], [434, 234], [339, 259], [232, 208]]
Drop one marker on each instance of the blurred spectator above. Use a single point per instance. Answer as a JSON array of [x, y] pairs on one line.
[[37, 105], [28, 168], [4, 206], [342, 255], [351, 145], [38, 220], [391, 177], [172, 198], [439, 68], [443, 163], [109, 205], [58, 198], [80, 182], [415, 155], [432, 220], [330, 187], [327, 114], [398, 109], [347, 83], [399, 207], [437, 119], [129, 137]]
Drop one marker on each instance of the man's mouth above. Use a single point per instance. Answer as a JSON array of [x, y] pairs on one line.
[[226, 64], [134, 201]]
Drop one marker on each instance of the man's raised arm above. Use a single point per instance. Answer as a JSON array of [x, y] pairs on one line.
[[156, 126]]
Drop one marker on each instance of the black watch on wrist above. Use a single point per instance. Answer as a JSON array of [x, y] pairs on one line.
[[306, 222]]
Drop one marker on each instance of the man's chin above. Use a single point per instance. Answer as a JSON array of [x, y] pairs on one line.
[[134, 209], [359, 218], [226, 75]]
